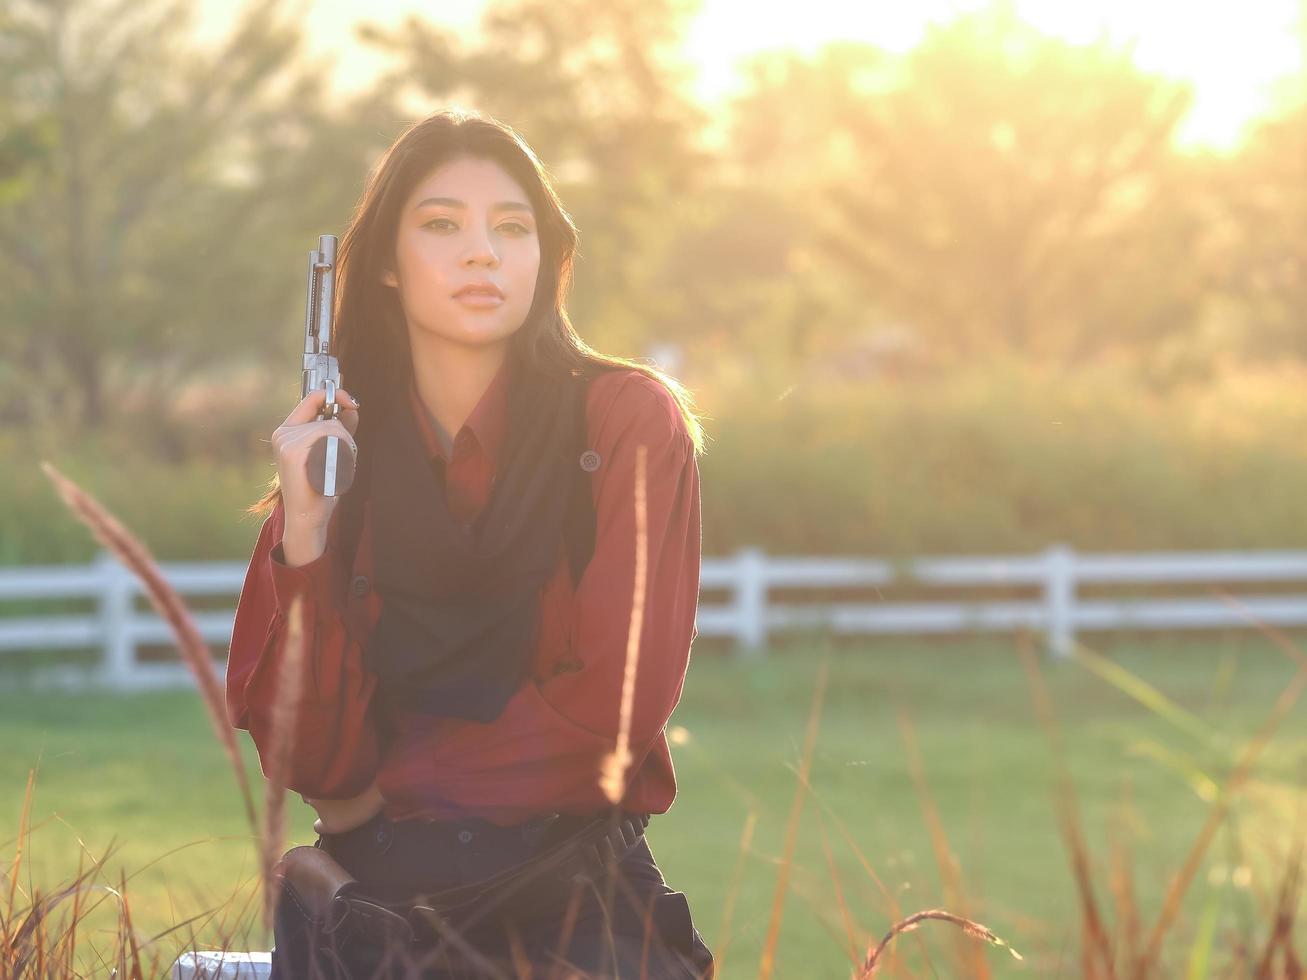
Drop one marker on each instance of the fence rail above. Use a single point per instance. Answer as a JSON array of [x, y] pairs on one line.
[[755, 607]]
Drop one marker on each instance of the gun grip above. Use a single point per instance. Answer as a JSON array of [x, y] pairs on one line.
[[330, 468]]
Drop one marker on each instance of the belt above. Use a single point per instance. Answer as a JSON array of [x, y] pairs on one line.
[[335, 900]]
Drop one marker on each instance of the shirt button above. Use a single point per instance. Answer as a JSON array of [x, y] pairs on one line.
[[359, 585], [465, 836]]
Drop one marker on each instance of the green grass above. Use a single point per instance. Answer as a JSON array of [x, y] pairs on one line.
[[148, 770]]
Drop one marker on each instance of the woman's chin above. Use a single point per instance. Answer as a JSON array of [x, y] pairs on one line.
[[472, 334]]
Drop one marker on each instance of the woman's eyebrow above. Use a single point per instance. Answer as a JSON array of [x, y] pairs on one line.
[[451, 202]]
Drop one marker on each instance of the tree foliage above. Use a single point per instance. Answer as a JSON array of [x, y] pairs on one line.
[[1257, 206], [995, 189], [155, 194]]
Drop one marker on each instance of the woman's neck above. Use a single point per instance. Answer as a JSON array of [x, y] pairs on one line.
[[451, 380]]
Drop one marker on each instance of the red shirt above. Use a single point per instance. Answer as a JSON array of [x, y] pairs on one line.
[[544, 752]]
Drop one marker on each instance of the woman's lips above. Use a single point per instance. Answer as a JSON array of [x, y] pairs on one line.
[[477, 299]]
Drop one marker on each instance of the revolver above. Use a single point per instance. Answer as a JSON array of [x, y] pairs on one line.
[[330, 464]]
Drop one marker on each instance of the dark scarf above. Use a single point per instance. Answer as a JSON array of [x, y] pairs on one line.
[[457, 626]]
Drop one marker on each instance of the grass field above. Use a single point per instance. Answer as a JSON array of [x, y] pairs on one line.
[[147, 770]]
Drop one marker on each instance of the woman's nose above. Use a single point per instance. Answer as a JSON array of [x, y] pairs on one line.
[[480, 249]]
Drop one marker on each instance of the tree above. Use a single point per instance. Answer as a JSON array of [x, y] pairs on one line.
[[994, 189], [177, 183], [1261, 243]]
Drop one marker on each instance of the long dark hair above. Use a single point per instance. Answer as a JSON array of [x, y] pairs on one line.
[[370, 332]]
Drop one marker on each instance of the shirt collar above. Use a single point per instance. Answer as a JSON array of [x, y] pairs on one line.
[[488, 420]]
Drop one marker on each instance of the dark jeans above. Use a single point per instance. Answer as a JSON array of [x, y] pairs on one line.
[[628, 925]]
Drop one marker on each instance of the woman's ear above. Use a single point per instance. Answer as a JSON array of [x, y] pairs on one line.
[[388, 278]]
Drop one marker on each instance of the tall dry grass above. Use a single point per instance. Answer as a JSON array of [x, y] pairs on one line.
[[39, 934], [24, 946]]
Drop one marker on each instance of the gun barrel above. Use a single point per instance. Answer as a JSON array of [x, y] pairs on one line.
[[326, 283], [311, 306], [319, 363], [330, 472]]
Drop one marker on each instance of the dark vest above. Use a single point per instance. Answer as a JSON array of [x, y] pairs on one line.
[[456, 633]]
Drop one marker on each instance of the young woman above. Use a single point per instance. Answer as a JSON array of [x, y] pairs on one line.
[[467, 603]]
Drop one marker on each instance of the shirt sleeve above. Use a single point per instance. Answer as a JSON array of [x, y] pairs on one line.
[[550, 741], [335, 751]]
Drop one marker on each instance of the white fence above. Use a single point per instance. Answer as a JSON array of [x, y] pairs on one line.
[[755, 585]]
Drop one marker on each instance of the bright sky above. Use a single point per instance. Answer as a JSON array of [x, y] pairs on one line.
[[1238, 55]]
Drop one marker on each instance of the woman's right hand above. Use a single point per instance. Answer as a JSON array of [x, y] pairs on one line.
[[342, 816], [307, 511]]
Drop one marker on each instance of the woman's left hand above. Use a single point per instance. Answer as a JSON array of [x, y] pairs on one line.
[[338, 816]]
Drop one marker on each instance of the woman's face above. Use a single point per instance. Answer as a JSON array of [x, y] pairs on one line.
[[467, 221]]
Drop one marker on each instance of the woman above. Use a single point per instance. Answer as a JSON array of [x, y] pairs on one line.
[[467, 603]]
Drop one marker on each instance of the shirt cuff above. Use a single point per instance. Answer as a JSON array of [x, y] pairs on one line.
[[313, 580]]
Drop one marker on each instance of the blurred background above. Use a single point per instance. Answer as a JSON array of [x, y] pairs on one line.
[[967, 279]]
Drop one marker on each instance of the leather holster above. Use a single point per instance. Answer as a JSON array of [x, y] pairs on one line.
[[329, 895]]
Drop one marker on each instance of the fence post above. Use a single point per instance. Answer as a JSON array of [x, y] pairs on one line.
[[1060, 599], [115, 620], [750, 602]]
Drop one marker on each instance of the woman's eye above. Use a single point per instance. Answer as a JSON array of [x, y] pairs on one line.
[[521, 228]]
